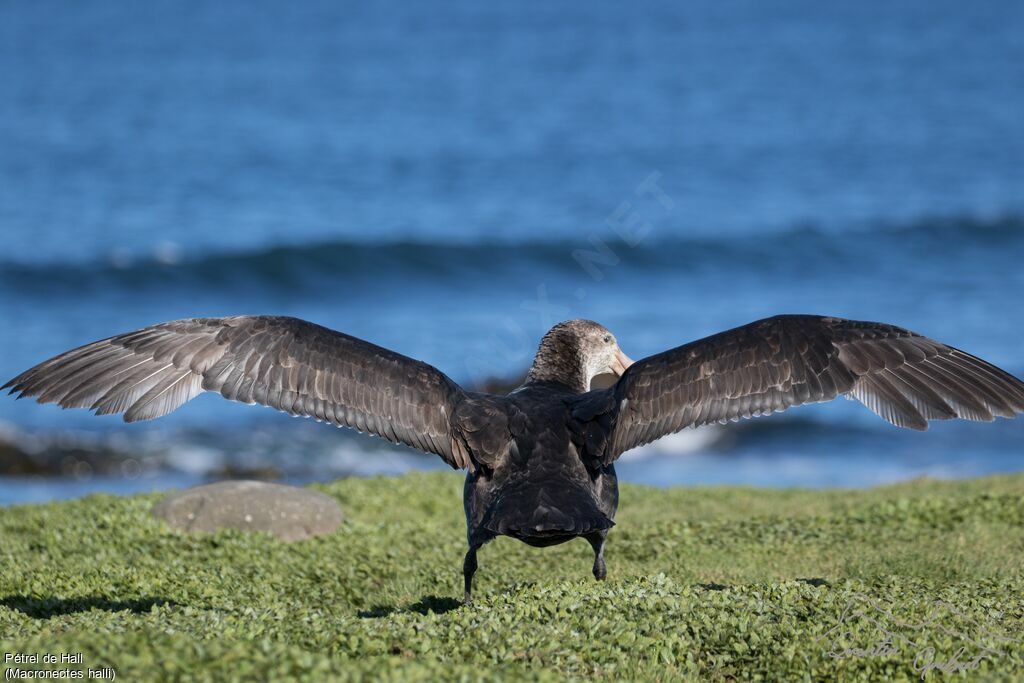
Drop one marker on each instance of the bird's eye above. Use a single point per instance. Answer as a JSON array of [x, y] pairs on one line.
[[607, 338]]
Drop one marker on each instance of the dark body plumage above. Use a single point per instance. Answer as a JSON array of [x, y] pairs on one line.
[[528, 493], [540, 459]]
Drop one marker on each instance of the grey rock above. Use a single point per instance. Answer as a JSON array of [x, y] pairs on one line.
[[288, 512]]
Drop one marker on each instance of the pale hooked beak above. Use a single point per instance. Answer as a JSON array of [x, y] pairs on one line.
[[621, 363]]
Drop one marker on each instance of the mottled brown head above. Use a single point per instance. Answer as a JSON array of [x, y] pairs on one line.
[[572, 353]]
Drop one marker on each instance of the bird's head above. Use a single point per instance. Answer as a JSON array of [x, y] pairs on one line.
[[575, 351]]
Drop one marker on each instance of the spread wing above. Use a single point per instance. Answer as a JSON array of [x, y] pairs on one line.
[[775, 363], [285, 363]]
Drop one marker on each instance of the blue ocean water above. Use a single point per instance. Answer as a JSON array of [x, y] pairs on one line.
[[450, 179]]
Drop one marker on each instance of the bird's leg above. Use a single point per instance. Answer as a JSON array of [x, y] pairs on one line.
[[468, 569], [597, 540]]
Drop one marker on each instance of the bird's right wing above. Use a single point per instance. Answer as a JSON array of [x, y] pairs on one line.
[[789, 360], [285, 363]]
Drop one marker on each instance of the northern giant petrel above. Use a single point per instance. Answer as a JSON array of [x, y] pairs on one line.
[[540, 459]]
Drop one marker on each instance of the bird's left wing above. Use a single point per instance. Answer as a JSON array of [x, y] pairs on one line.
[[285, 363], [789, 360]]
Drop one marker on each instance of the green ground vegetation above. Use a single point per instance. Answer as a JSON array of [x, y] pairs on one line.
[[715, 583]]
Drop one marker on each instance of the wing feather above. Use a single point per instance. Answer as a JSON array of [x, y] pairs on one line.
[[776, 363], [285, 363]]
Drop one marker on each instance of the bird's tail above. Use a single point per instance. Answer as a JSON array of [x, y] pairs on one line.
[[546, 511]]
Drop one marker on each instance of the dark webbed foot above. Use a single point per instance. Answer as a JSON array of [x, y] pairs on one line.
[[468, 569], [600, 572], [597, 540]]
